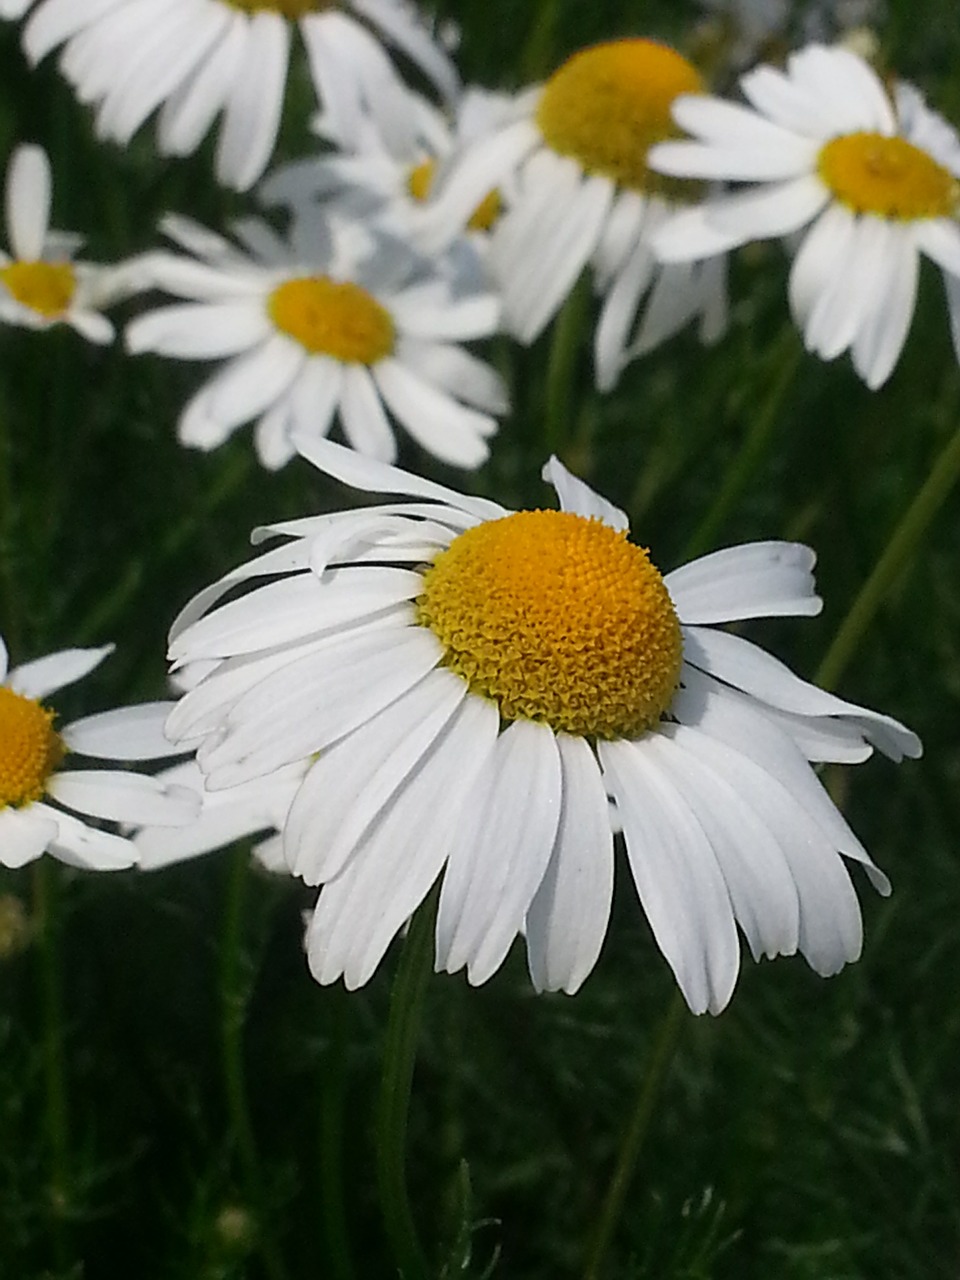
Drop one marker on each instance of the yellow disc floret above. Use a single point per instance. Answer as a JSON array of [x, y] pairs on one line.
[[607, 105], [420, 184], [291, 9], [559, 619], [44, 287], [888, 177], [332, 318], [30, 748]]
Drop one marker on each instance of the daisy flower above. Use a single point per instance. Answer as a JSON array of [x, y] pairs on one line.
[[39, 798], [874, 178], [195, 59], [576, 148], [319, 326], [473, 683], [375, 179], [40, 284]]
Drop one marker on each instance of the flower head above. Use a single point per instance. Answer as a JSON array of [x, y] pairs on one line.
[[40, 284], [39, 797], [574, 152], [474, 684], [317, 327], [876, 179], [197, 59]]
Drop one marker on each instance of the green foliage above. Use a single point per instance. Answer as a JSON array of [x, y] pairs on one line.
[[219, 1108]]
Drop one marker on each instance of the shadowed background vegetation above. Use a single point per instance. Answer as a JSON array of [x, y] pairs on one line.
[[179, 1101]]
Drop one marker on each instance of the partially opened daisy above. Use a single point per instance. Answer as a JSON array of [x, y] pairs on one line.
[[41, 794], [577, 147], [376, 179], [318, 327], [874, 178], [475, 682], [197, 59], [40, 284]]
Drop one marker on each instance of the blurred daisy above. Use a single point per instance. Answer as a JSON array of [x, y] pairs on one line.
[[39, 798], [195, 59], [875, 179], [378, 180], [40, 284], [577, 146], [474, 682], [317, 327]]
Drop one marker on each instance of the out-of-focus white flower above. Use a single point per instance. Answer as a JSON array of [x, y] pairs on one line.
[[321, 326], [575, 151], [39, 799], [40, 283], [876, 181], [196, 59]]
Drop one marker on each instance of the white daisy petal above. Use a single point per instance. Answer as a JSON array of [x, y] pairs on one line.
[[129, 733], [123, 797], [46, 675], [24, 835], [28, 195], [756, 580], [567, 919], [681, 888], [85, 847], [503, 852], [359, 913], [251, 116], [578, 497], [191, 332]]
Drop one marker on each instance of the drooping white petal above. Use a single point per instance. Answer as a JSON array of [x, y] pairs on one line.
[[567, 920], [681, 888], [24, 835], [85, 847], [350, 785], [252, 110], [359, 913], [508, 827]]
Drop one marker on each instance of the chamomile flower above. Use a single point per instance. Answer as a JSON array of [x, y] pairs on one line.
[[39, 798], [576, 151], [40, 283], [376, 180], [318, 327], [875, 179], [473, 683], [197, 59]]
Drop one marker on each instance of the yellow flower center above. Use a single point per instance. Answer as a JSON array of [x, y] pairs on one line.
[[420, 184], [888, 177], [44, 287], [30, 748], [559, 619], [607, 105], [333, 319], [292, 9]]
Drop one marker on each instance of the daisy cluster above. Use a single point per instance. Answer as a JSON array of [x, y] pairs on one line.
[[435, 687]]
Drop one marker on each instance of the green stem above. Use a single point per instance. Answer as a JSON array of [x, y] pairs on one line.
[[234, 988], [568, 331], [339, 1265], [896, 557], [56, 1123], [10, 602], [664, 1047], [403, 1027], [751, 455], [538, 57]]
